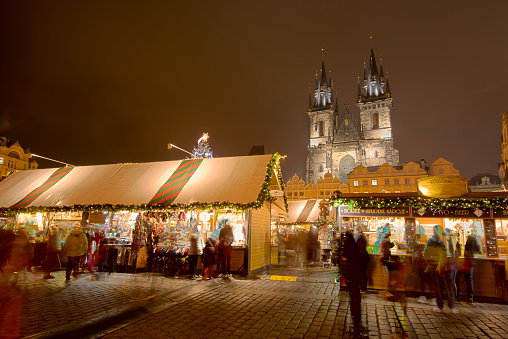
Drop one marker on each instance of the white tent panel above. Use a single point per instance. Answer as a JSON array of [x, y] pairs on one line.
[[134, 184], [19, 184], [235, 179], [295, 208], [77, 186]]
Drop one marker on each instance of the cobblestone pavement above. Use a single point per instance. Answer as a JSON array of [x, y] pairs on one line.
[[310, 307], [252, 307], [35, 305]]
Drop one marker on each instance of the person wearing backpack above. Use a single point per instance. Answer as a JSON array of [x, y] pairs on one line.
[[355, 251], [437, 263], [76, 246]]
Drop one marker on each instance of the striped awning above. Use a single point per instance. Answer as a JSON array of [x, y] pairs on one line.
[[237, 180]]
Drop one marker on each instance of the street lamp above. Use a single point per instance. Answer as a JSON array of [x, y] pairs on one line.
[[170, 146]]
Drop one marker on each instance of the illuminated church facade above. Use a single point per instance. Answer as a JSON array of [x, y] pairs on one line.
[[341, 140]]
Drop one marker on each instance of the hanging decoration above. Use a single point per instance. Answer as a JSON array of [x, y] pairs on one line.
[[421, 202]]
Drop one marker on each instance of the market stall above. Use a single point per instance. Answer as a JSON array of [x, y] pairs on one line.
[[311, 217], [411, 218], [143, 207]]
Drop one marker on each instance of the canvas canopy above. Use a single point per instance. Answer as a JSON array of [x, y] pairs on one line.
[[303, 211], [241, 181]]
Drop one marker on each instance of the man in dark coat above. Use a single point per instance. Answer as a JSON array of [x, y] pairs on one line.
[[226, 238], [355, 251]]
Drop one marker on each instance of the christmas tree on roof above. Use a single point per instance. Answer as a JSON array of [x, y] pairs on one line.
[[202, 150]]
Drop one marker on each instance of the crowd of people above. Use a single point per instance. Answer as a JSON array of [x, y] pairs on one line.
[[433, 268]]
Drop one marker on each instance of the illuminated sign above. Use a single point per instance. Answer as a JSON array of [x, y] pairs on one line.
[[443, 186], [345, 211]]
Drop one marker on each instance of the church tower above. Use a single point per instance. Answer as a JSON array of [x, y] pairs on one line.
[[376, 107], [322, 115]]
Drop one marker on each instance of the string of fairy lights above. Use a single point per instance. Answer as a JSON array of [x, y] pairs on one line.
[[422, 202], [264, 195]]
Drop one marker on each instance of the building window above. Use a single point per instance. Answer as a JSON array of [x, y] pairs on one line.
[[360, 171], [387, 181], [1, 161], [301, 194], [365, 183], [290, 194], [320, 168], [407, 181], [355, 183], [321, 128], [374, 182], [375, 154], [395, 181], [321, 193], [375, 121]]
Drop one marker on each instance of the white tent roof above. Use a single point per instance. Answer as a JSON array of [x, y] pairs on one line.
[[237, 180], [296, 211]]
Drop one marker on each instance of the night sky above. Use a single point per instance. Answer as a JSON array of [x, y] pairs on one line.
[[100, 82]]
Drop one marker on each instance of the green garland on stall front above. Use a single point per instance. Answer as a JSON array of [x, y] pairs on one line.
[[264, 195], [421, 202]]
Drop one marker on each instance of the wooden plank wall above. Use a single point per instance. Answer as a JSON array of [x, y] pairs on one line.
[[260, 238]]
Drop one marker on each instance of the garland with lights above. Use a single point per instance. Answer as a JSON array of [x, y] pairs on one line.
[[264, 195], [421, 202]]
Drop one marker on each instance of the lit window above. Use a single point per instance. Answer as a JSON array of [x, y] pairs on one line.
[[1, 161], [374, 182], [355, 183], [387, 181]]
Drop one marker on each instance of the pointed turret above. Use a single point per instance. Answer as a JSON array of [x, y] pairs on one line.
[[374, 81], [323, 96]]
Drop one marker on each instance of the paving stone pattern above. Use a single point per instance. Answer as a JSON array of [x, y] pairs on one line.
[[282, 309]]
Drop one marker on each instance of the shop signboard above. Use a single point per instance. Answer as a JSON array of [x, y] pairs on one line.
[[453, 213], [400, 212], [490, 238], [344, 224], [443, 186], [410, 224], [500, 214]]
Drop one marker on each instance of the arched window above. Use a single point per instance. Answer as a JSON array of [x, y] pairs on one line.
[[321, 128], [320, 168], [14, 155], [375, 121]]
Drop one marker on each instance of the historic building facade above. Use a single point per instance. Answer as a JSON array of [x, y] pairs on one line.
[[503, 166], [373, 179], [14, 158], [341, 140]]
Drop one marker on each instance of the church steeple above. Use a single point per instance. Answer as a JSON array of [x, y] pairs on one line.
[[323, 95], [373, 81]]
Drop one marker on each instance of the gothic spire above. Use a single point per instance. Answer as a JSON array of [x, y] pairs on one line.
[[374, 81], [323, 96]]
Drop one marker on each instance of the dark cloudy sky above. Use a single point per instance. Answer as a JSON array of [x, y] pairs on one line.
[[97, 82]]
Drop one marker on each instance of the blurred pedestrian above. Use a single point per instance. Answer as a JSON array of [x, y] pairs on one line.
[[355, 251], [385, 254], [362, 242], [20, 253], [209, 254], [193, 256], [437, 262], [54, 248], [467, 264], [226, 239], [76, 245], [301, 249], [6, 244], [419, 266]]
